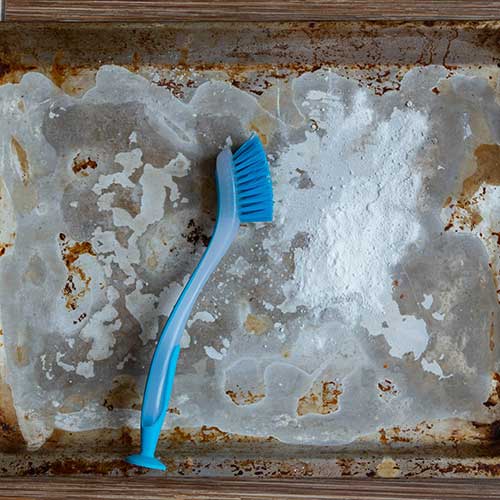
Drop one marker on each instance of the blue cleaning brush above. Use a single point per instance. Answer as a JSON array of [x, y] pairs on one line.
[[244, 194]]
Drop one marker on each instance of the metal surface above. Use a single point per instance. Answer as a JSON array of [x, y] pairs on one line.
[[357, 335]]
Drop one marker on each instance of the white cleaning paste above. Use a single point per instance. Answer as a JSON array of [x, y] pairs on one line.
[[360, 226]]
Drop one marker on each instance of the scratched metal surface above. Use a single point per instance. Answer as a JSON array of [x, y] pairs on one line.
[[356, 335]]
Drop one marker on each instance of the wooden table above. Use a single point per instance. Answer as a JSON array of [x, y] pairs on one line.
[[254, 10], [232, 489]]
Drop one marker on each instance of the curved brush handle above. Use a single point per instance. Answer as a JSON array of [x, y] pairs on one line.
[[162, 369]]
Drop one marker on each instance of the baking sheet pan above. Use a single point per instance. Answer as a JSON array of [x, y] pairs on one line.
[[356, 335]]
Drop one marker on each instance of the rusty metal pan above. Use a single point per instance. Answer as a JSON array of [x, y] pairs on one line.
[[355, 336]]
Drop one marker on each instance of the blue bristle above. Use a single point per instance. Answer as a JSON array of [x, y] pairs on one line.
[[253, 182]]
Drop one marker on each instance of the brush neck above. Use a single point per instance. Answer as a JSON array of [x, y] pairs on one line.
[[225, 231]]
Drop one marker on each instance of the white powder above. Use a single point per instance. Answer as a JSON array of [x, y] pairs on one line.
[[365, 214]]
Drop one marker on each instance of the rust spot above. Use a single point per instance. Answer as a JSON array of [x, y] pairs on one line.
[[263, 126], [242, 398], [383, 436], [447, 202], [70, 255], [195, 235], [123, 394], [136, 62], [23, 159], [183, 56], [258, 324], [494, 397], [176, 88], [11, 438], [491, 431], [465, 213], [323, 399], [80, 466], [179, 435], [4, 69], [81, 165], [386, 387], [256, 129], [73, 252], [345, 465], [487, 171], [435, 90], [58, 70], [22, 356], [3, 248]]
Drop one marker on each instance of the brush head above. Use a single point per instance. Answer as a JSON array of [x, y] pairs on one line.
[[254, 188]]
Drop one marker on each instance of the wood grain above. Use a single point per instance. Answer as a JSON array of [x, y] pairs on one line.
[[249, 10], [154, 488]]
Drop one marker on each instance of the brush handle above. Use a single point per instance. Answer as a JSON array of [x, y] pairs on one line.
[[162, 369]]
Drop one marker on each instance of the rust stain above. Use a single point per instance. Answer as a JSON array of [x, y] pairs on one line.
[[261, 135], [136, 62], [242, 398], [73, 403], [258, 324], [123, 394], [383, 436], [323, 399], [195, 235], [81, 466], [81, 165], [345, 465], [22, 355], [386, 387], [23, 159], [435, 90], [11, 438], [58, 70], [3, 248], [464, 211], [176, 88], [494, 397], [208, 436], [487, 171], [183, 56], [70, 255]]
